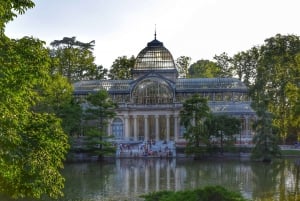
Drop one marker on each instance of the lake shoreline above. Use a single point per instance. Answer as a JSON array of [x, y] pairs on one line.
[[77, 158]]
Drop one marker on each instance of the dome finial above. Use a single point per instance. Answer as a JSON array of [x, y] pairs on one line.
[[155, 33]]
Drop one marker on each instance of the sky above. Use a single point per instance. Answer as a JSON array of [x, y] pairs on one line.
[[199, 29]]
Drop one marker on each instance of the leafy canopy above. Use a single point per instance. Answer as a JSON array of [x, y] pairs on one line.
[[33, 144], [99, 110], [265, 141], [9, 9], [183, 65], [204, 69], [121, 68], [192, 116], [74, 60]]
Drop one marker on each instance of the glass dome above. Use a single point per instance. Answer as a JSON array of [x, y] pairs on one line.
[[152, 91], [154, 57]]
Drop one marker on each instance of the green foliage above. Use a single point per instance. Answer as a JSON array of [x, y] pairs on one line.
[[221, 67], [121, 68], [97, 73], [71, 115], [209, 193], [204, 130], [9, 9], [222, 128], [244, 65], [33, 144], [192, 116], [278, 80], [290, 152], [74, 60], [55, 95], [58, 99], [224, 63], [183, 64], [271, 71], [32, 155], [204, 69], [266, 142], [99, 111]]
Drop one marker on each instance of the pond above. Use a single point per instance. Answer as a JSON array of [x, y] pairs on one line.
[[126, 179]]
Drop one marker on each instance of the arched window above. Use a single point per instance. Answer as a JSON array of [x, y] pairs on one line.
[[152, 91], [117, 128]]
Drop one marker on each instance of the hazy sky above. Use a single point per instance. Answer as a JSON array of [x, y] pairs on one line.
[[196, 28]]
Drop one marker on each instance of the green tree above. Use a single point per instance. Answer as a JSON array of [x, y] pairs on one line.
[[71, 115], [205, 69], [33, 144], [277, 79], [57, 98], [74, 60], [183, 64], [121, 68], [99, 110], [97, 73], [293, 92], [194, 112], [223, 128], [9, 9], [225, 64], [245, 65], [266, 141], [56, 95]]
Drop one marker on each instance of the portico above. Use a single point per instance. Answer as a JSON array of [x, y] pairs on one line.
[[149, 125]]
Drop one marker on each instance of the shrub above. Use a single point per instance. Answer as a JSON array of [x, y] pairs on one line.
[[209, 193]]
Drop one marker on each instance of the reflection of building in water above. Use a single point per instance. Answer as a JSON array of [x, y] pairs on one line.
[[149, 175], [149, 103], [146, 175]]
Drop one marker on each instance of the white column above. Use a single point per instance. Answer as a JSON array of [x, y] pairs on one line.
[[246, 119], [168, 127], [108, 129], [135, 131], [175, 128], [126, 127], [146, 129], [156, 127]]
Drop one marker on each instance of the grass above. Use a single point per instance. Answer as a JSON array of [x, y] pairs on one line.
[[290, 152]]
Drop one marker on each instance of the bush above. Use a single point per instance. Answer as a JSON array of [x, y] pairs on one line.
[[209, 193]]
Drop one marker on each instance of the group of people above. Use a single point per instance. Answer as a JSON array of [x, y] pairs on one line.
[[148, 148]]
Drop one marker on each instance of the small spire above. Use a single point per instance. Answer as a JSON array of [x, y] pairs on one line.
[[155, 33]]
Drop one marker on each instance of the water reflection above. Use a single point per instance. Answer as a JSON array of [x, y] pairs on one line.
[[126, 179], [276, 181]]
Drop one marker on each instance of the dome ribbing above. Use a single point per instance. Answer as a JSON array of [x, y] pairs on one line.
[[154, 57]]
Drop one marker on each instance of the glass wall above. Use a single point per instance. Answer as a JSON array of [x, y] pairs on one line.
[[152, 91]]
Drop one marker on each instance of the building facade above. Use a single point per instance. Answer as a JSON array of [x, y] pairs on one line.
[[150, 103]]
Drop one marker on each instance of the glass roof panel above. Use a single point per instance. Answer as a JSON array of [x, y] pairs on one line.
[[203, 83], [109, 85], [154, 57]]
